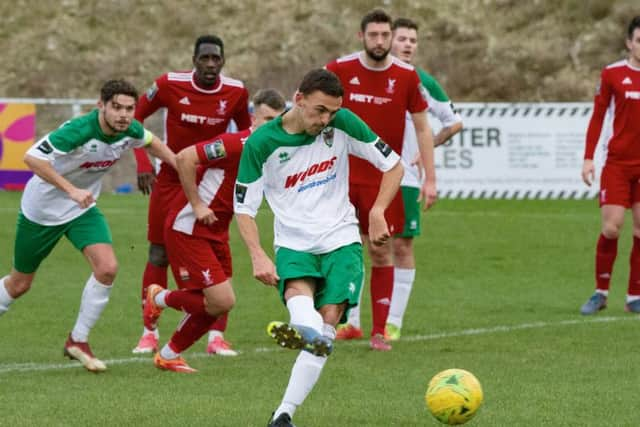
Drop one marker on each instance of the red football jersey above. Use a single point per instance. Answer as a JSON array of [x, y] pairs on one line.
[[619, 94], [380, 97], [216, 179], [193, 114]]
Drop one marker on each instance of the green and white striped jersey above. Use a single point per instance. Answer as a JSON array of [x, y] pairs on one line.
[[81, 153], [305, 180], [442, 109]]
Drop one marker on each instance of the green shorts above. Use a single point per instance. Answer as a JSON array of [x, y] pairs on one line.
[[339, 274], [411, 212], [34, 241]]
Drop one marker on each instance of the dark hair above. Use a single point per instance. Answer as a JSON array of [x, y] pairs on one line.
[[269, 97], [208, 39], [376, 15], [404, 23], [323, 80], [117, 87], [635, 23]]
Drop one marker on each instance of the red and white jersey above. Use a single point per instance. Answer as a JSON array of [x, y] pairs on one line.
[[618, 96], [216, 177], [194, 114], [380, 97]]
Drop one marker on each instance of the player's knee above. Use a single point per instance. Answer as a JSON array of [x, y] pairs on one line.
[[158, 255], [611, 229], [219, 305], [106, 271], [16, 287]]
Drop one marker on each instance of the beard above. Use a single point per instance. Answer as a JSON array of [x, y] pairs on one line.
[[377, 54]]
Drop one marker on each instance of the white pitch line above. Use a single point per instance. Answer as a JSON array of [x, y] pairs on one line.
[[34, 367]]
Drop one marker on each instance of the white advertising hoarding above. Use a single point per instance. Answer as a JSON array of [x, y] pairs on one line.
[[517, 150]]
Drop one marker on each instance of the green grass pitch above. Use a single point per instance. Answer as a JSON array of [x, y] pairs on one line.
[[498, 292]]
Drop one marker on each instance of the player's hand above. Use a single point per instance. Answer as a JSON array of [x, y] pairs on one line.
[[378, 230], [428, 193], [204, 214], [417, 161], [588, 172], [146, 181], [264, 270], [83, 198]]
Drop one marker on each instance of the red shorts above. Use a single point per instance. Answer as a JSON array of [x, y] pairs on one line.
[[363, 197], [164, 191], [619, 185], [197, 263]]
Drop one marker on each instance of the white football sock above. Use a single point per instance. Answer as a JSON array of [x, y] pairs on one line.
[[5, 298], [354, 314], [214, 333], [603, 292], [402, 284], [329, 331], [94, 299], [159, 299], [632, 298], [302, 312], [155, 332], [167, 352], [304, 375]]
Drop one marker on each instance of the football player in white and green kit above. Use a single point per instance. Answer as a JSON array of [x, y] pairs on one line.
[[299, 162], [404, 46], [60, 200]]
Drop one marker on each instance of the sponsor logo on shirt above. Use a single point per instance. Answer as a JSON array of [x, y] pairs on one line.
[[627, 81], [241, 192], [151, 92], [185, 101], [184, 274], [284, 157], [354, 81], [632, 94], [315, 168], [45, 147], [327, 136], [102, 164], [383, 148], [215, 150], [201, 120], [368, 99]]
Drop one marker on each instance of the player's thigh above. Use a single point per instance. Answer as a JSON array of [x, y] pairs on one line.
[[159, 203], [89, 228], [411, 226], [343, 273], [33, 243], [193, 262], [615, 186], [292, 265]]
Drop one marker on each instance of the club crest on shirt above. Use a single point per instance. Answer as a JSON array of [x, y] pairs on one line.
[[327, 136], [222, 107], [391, 83], [215, 150], [184, 274], [151, 92]]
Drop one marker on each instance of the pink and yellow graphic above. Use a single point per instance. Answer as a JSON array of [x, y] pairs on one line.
[[17, 134]]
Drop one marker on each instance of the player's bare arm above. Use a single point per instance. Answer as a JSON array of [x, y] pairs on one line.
[[44, 169], [157, 149], [378, 230], [588, 172], [446, 133], [263, 267], [187, 162], [424, 137]]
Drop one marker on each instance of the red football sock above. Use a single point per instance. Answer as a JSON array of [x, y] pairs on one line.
[[191, 301], [191, 329], [606, 252], [634, 272], [221, 323], [381, 290]]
